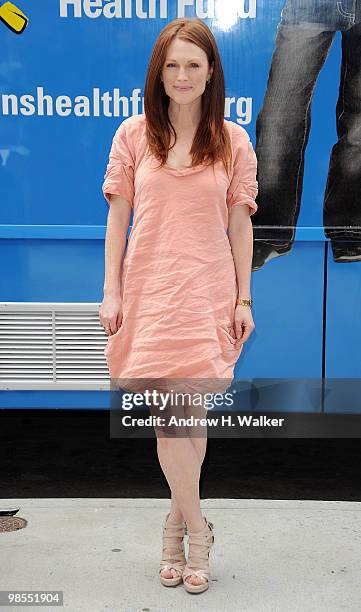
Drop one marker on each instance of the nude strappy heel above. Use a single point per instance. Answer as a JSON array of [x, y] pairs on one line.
[[198, 563], [173, 552]]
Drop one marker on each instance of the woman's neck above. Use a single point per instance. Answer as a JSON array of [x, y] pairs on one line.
[[185, 118]]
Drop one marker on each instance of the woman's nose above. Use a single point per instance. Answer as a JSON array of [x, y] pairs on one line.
[[182, 73]]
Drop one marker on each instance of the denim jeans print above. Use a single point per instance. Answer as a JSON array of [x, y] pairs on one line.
[[303, 40]]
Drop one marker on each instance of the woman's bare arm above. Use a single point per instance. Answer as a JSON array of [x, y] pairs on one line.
[[240, 235], [115, 241]]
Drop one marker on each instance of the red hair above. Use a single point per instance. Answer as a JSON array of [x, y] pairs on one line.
[[211, 141]]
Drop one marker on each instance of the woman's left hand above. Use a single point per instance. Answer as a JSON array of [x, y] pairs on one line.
[[243, 322]]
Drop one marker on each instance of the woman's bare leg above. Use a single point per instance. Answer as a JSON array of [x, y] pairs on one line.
[[200, 445], [175, 513], [181, 459]]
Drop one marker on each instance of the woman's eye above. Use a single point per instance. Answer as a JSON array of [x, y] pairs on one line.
[[193, 65]]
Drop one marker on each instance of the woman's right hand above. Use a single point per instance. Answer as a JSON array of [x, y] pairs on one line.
[[111, 314]]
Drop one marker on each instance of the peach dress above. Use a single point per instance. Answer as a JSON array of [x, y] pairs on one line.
[[179, 285]]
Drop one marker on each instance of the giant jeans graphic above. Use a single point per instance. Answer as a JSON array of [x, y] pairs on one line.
[[304, 37]]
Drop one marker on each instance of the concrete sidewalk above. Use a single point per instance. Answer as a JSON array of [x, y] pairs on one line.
[[268, 556]]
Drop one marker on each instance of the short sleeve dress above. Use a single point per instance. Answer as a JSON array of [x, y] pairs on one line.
[[179, 285]]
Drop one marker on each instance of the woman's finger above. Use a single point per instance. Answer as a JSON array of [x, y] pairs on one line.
[[243, 331], [119, 319], [112, 327]]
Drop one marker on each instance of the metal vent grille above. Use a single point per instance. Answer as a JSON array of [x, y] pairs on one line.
[[52, 346]]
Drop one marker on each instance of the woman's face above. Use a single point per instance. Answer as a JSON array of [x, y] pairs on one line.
[[185, 71]]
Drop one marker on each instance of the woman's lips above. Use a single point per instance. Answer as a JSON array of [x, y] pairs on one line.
[[182, 88]]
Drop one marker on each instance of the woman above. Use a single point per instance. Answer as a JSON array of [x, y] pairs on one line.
[[178, 307]]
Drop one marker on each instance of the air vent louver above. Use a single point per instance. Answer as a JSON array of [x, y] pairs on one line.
[[52, 346]]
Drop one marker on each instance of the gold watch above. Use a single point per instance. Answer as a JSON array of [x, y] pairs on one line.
[[244, 302]]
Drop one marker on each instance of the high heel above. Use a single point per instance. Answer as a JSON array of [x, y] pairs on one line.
[[198, 563], [173, 552]]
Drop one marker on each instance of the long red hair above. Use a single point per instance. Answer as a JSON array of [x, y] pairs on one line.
[[211, 142]]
